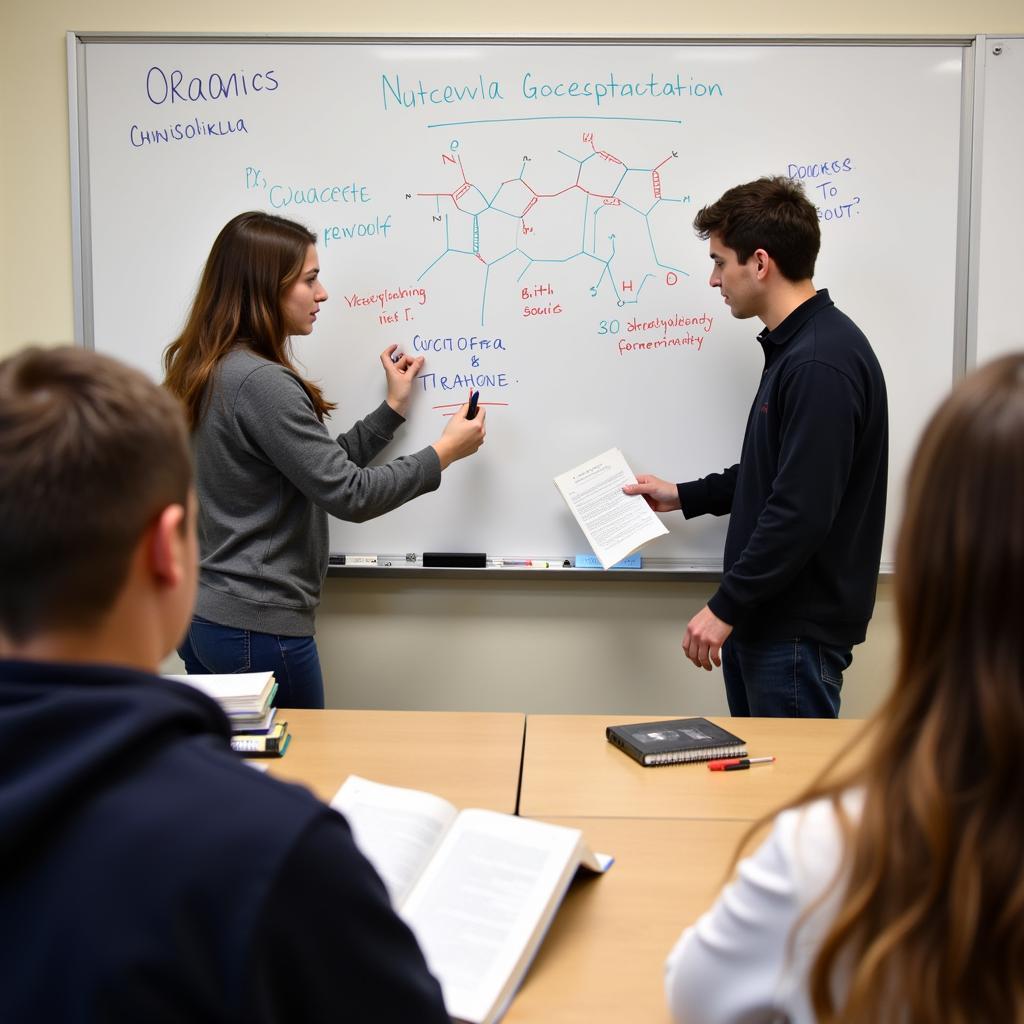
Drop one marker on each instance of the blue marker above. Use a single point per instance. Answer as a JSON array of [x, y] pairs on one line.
[[474, 402]]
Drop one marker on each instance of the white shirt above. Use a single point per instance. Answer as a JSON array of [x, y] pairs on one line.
[[740, 963]]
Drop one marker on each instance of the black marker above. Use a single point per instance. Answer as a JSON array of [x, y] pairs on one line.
[[474, 401]]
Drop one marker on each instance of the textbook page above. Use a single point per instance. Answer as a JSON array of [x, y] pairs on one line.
[[614, 523], [396, 829], [483, 905]]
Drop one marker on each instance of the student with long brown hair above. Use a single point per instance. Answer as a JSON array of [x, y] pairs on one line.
[[268, 472], [894, 891]]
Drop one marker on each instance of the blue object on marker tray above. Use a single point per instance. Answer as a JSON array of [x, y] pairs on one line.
[[591, 562]]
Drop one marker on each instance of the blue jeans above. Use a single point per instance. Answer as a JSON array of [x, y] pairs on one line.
[[784, 678], [294, 660]]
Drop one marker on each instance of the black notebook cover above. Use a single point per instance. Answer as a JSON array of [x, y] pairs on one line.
[[675, 740]]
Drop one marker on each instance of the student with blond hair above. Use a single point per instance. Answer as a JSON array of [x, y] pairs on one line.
[[893, 892], [148, 874]]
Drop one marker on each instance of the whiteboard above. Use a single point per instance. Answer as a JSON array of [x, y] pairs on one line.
[[521, 214], [999, 157]]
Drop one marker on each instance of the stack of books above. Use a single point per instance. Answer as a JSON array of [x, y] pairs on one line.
[[247, 698]]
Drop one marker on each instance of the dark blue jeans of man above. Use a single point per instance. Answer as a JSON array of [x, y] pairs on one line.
[[294, 660], [784, 678]]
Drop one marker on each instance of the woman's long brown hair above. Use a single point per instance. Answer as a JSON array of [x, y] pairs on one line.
[[930, 927], [255, 259]]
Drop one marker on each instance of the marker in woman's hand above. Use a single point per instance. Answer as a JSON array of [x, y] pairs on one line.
[[474, 401]]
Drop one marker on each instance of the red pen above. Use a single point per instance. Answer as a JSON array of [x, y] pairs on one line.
[[737, 764]]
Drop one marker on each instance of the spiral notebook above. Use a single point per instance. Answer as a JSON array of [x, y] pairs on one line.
[[675, 741]]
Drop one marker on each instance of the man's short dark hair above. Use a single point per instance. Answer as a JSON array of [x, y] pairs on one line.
[[771, 214], [91, 452]]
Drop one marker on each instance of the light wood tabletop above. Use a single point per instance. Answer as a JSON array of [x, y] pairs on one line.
[[570, 769], [603, 958], [672, 830], [470, 758]]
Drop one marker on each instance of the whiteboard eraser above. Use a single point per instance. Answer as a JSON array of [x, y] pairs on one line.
[[590, 562], [454, 560]]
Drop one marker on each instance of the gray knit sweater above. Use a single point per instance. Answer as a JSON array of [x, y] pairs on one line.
[[267, 475]]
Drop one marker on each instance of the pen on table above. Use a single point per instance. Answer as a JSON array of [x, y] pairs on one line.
[[737, 764], [526, 562]]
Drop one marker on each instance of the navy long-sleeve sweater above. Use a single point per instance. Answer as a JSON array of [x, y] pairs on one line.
[[807, 498]]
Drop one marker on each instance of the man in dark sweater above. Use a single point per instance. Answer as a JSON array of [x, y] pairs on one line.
[[807, 498], [146, 872]]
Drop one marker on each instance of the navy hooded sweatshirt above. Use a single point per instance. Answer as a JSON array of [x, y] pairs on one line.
[[148, 875]]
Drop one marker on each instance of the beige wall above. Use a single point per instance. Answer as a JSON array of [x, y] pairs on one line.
[[536, 645], [540, 645]]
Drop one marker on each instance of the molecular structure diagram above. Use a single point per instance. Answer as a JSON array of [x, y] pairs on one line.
[[608, 212]]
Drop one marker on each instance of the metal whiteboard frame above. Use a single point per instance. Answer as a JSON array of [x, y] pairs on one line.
[[965, 312], [985, 48]]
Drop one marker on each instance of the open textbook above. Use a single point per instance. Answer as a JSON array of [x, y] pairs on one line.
[[478, 888], [616, 524]]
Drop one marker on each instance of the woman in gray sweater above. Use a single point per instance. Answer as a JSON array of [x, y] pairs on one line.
[[268, 472]]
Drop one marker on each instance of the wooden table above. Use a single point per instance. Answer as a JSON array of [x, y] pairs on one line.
[[603, 958], [470, 758], [571, 770], [672, 830]]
